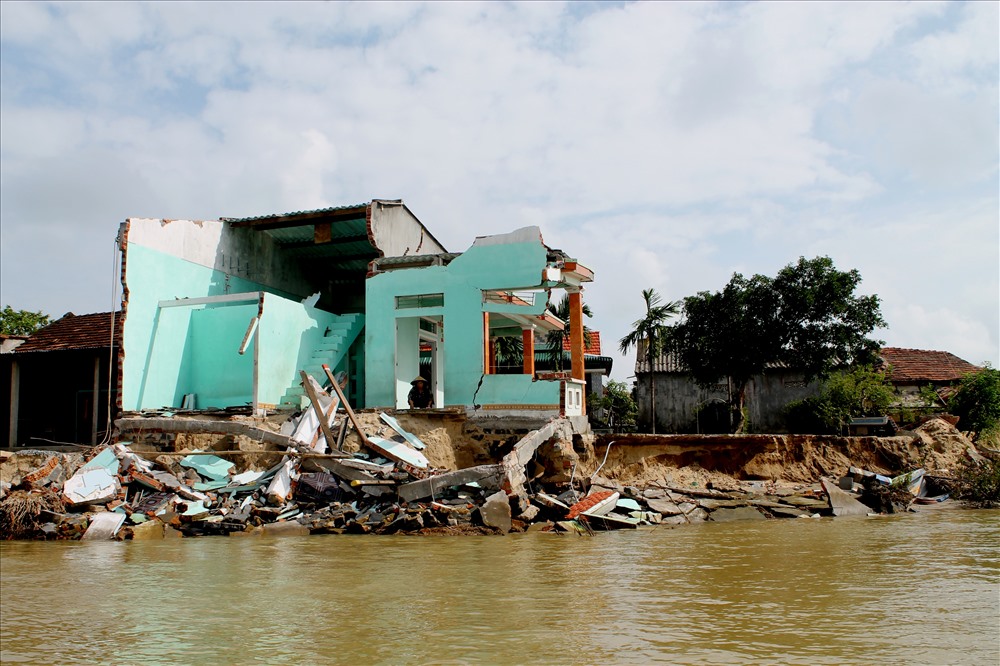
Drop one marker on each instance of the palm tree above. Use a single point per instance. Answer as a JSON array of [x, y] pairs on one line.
[[554, 339], [651, 330]]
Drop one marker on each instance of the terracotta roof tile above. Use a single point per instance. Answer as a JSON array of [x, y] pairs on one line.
[[924, 365], [90, 331], [594, 348]]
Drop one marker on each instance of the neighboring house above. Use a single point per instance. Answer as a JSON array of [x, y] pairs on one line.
[[59, 381], [911, 370], [226, 312], [683, 406]]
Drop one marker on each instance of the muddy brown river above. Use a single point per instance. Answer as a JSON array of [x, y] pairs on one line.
[[911, 589]]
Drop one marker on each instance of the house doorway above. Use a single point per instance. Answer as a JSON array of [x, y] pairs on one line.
[[419, 351]]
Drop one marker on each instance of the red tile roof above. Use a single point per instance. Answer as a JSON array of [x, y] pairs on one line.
[[90, 331], [593, 349], [924, 365]]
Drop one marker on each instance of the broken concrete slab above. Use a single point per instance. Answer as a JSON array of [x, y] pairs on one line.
[[806, 502], [149, 530], [699, 515], [713, 504], [91, 486], [495, 512], [487, 476], [729, 515], [209, 466], [679, 519], [842, 503], [290, 528], [787, 512], [103, 526], [664, 507]]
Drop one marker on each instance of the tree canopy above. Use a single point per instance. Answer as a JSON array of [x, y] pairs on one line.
[[21, 322], [862, 391], [977, 402], [808, 317], [650, 332]]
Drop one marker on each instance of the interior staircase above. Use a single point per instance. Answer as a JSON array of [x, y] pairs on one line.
[[330, 351]]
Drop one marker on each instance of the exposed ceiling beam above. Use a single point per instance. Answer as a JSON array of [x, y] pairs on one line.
[[302, 219], [292, 245]]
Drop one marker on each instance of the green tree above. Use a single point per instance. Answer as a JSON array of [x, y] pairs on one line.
[[863, 391], [650, 333], [807, 317], [977, 402], [619, 405], [21, 322]]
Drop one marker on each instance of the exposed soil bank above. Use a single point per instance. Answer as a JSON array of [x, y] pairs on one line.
[[936, 446], [485, 475]]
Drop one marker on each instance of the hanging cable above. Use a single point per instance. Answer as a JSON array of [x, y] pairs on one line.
[[111, 346]]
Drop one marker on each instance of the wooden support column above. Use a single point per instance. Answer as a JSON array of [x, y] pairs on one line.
[[96, 409], [15, 393], [576, 333], [528, 345], [487, 364]]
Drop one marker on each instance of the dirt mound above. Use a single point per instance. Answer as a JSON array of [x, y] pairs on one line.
[[942, 445]]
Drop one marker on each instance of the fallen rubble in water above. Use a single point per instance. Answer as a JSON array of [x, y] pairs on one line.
[[308, 484]]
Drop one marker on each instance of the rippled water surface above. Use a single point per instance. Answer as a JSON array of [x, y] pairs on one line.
[[913, 589]]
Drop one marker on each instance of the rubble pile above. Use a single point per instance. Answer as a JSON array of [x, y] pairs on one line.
[[313, 486], [117, 493]]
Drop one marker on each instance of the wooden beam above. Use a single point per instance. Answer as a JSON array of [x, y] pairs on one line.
[[329, 240], [347, 406], [324, 425]]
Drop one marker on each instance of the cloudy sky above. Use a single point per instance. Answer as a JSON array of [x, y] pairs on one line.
[[666, 145]]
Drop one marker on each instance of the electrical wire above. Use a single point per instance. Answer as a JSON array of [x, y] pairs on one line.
[[111, 347]]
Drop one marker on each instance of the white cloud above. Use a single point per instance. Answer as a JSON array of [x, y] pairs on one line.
[[665, 144]]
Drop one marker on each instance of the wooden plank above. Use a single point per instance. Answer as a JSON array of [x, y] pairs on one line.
[[324, 425], [347, 406]]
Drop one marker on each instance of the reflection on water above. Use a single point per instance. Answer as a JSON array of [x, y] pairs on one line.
[[909, 589]]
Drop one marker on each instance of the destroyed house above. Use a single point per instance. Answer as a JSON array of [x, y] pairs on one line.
[[457, 305], [225, 313], [61, 380]]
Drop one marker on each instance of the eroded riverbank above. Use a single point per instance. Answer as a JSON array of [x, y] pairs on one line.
[[551, 478]]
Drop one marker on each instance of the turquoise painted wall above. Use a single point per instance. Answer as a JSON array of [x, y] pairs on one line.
[[508, 266], [157, 342], [177, 350], [217, 373], [289, 333], [517, 390]]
